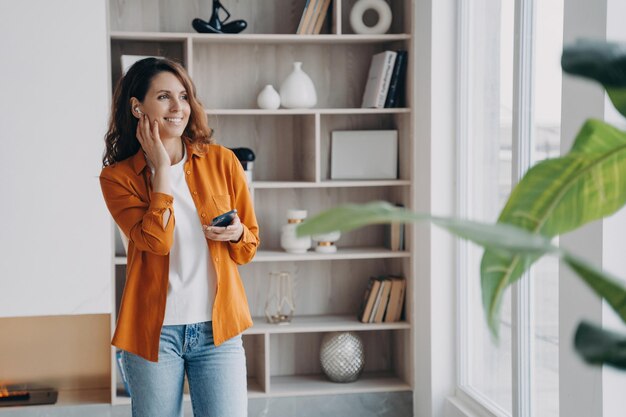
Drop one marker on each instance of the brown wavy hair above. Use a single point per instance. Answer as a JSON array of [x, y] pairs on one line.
[[120, 139]]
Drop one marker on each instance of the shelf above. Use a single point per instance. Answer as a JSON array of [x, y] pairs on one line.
[[313, 111], [342, 253], [259, 185], [256, 38], [289, 386], [316, 324], [278, 255]]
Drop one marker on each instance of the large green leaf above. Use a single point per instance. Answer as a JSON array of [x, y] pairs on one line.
[[498, 237], [598, 346], [601, 61], [557, 196]]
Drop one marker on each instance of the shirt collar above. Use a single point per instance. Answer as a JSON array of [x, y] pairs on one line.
[[139, 162]]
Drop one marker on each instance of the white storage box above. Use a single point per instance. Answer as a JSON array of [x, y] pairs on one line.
[[364, 155]]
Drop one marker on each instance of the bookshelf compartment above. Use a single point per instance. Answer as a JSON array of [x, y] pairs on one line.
[[339, 71], [169, 49], [399, 122], [297, 370], [255, 348], [271, 207], [268, 16], [320, 288], [284, 145]]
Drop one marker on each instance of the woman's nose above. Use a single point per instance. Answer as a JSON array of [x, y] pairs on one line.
[[175, 104]]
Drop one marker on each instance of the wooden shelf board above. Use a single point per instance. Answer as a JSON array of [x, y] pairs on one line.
[[275, 255], [259, 185], [296, 385], [321, 323], [256, 38], [302, 112]]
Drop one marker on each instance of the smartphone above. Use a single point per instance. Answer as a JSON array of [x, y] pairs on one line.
[[224, 219]]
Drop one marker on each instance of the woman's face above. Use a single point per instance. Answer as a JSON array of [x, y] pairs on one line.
[[167, 102]]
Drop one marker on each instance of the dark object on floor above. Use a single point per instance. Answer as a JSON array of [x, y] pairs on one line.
[[215, 25], [27, 394]]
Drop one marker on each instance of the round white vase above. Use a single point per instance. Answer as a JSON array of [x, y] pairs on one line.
[[268, 98], [289, 241], [297, 90]]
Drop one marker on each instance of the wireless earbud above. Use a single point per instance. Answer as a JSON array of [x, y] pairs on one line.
[[138, 111]]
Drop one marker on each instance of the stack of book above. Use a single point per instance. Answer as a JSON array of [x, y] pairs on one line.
[[383, 300], [313, 17], [385, 80]]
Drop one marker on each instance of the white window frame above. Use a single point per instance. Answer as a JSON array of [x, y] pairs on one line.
[[522, 311]]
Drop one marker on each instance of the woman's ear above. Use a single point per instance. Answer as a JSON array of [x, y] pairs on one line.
[[135, 108]]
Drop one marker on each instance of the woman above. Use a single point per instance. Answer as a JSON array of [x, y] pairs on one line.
[[184, 306]]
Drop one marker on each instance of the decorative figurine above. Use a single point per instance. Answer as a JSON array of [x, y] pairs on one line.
[[215, 25]]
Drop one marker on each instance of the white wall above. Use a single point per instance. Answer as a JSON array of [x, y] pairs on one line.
[[55, 240]]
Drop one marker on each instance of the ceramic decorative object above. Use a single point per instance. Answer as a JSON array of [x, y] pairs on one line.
[[342, 356], [381, 8], [297, 90], [288, 239], [217, 25], [325, 243], [268, 98], [279, 305]]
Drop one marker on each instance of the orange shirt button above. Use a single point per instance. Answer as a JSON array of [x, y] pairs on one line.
[[203, 215], [188, 172], [217, 259], [195, 193]]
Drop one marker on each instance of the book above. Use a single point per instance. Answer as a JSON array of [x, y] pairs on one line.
[[395, 235], [364, 300], [396, 84], [118, 357], [320, 17], [384, 300], [374, 286], [377, 300], [378, 79], [306, 17], [396, 298]]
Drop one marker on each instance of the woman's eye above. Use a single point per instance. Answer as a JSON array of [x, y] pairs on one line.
[[162, 96], [184, 97]]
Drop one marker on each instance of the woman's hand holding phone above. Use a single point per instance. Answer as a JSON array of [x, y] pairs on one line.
[[232, 232]]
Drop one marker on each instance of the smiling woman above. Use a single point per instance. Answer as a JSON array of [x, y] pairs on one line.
[[163, 180]]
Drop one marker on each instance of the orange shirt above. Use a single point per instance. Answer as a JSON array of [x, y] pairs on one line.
[[217, 184]]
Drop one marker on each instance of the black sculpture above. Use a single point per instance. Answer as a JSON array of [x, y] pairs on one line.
[[215, 25]]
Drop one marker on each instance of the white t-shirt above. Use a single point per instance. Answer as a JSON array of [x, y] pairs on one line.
[[192, 278]]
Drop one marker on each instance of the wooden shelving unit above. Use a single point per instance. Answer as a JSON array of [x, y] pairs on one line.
[[292, 170]]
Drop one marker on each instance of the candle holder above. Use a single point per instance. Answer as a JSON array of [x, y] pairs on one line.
[[279, 306]]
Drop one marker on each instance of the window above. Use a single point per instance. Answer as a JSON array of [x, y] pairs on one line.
[[504, 129]]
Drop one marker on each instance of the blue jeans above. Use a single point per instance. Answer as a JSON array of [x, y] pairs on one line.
[[216, 375]]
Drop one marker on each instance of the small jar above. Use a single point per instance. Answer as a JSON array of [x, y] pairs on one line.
[[288, 239], [325, 243]]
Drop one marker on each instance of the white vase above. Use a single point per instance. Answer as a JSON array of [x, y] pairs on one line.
[[297, 90], [268, 98], [289, 241]]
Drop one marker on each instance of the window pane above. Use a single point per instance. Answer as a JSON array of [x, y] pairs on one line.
[[545, 274], [489, 156]]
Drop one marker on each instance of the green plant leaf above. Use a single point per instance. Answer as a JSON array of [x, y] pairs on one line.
[[599, 347], [503, 238], [610, 288], [555, 197], [601, 61]]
